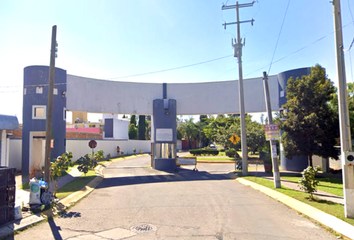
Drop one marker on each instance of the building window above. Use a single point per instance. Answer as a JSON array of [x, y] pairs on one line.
[[55, 91], [39, 90], [24, 91], [39, 112]]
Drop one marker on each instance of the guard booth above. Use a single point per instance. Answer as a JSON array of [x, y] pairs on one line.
[[165, 134]]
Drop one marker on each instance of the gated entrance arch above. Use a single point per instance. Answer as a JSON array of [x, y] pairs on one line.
[[162, 101]]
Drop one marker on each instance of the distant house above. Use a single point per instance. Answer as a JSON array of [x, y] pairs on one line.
[[6, 123]]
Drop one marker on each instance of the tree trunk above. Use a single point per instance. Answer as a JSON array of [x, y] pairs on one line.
[[310, 161]]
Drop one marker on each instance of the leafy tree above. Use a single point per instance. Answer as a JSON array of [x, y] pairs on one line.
[[147, 128], [189, 131], [141, 127], [58, 167], [310, 128], [132, 132], [308, 182], [133, 120], [334, 106], [86, 162], [255, 136]]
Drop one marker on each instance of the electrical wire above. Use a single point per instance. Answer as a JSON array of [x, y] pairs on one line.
[[281, 28], [351, 14], [171, 69]]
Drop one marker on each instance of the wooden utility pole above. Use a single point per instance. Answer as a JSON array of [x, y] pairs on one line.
[[49, 118], [273, 145]]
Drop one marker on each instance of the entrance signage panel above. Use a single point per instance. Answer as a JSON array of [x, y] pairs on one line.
[[164, 134]]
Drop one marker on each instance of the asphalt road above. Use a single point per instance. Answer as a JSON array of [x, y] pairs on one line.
[[137, 202]]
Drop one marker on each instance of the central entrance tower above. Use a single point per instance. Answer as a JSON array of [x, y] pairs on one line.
[[164, 134]]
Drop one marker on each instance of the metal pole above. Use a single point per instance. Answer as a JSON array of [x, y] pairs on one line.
[[242, 101], [49, 118], [273, 145], [345, 136]]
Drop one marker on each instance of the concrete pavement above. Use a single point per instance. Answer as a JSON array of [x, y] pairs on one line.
[[325, 219]]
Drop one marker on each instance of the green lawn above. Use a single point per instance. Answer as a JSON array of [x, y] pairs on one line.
[[76, 184], [329, 185], [334, 209]]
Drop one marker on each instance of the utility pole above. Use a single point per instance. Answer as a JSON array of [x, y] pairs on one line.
[[49, 118], [344, 123], [273, 145], [237, 45]]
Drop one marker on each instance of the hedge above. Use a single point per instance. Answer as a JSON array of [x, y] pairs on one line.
[[199, 152], [231, 153]]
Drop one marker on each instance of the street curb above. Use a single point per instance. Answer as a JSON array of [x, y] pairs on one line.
[[319, 216]]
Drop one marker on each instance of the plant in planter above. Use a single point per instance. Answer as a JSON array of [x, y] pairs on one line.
[[134, 150], [267, 161]]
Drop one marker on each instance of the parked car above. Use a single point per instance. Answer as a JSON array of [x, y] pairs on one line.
[[212, 145]]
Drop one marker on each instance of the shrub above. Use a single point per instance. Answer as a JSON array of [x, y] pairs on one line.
[[108, 156], [308, 183], [99, 155], [86, 163], [58, 166], [199, 152], [232, 153], [141, 151], [134, 150]]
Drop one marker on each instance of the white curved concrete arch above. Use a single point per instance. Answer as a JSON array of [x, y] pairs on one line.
[[102, 96]]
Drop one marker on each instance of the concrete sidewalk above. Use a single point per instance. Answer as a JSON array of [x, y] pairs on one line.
[[22, 195], [319, 194], [22, 198]]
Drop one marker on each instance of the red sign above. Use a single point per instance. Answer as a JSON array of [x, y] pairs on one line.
[[92, 144]]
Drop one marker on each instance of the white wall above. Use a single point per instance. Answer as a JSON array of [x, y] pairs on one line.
[[15, 154], [120, 129], [192, 98], [80, 147]]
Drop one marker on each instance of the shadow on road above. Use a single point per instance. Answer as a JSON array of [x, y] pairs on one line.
[[182, 175]]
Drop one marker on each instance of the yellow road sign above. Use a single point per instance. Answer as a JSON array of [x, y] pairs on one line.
[[234, 138]]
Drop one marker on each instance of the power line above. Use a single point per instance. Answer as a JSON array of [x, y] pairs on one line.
[[281, 28], [300, 49], [171, 69]]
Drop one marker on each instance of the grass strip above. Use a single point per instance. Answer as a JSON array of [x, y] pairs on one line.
[[76, 184], [330, 185], [331, 208]]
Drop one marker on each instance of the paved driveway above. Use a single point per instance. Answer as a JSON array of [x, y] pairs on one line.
[[137, 202]]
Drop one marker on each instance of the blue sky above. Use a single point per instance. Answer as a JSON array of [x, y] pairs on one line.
[[118, 38]]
